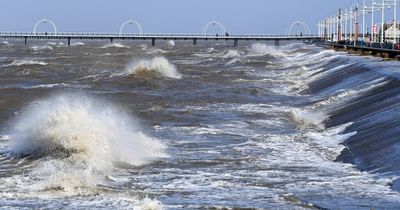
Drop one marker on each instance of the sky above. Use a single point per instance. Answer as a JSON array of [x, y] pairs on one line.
[[166, 16]]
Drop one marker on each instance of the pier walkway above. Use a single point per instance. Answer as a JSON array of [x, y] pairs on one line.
[[153, 37]]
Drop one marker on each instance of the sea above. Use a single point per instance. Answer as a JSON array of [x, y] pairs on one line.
[[99, 125]]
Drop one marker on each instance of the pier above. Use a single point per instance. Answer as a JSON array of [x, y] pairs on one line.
[[194, 38], [222, 35]]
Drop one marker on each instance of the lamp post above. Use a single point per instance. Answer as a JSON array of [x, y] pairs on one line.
[[372, 21], [345, 25], [363, 25], [351, 25], [356, 26], [383, 5], [339, 27], [383, 20]]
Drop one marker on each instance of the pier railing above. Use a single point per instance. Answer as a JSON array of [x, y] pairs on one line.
[[153, 35]]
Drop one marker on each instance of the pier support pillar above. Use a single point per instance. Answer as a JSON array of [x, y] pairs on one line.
[[26, 41], [69, 41], [235, 42], [112, 40], [276, 42], [153, 42], [195, 41]]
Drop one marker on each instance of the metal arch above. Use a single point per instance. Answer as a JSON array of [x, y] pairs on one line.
[[305, 26], [131, 22], [45, 21], [214, 22]]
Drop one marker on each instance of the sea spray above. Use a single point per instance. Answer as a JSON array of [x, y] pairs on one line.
[[158, 66], [77, 137], [306, 118], [259, 49]]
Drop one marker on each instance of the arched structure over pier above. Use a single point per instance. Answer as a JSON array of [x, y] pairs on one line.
[[45, 21], [139, 27], [214, 23], [298, 23]]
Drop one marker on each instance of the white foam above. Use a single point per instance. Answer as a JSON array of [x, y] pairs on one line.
[[25, 63], [231, 54], [77, 44], [171, 43], [156, 51], [54, 85], [92, 132], [114, 45], [233, 62], [308, 118], [258, 49], [149, 204], [40, 48], [159, 66]]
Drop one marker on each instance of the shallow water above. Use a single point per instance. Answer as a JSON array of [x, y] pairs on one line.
[[179, 126]]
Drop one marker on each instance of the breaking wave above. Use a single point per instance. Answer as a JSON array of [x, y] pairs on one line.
[[259, 49], [158, 66], [171, 43], [231, 54], [77, 127], [77, 44], [114, 45], [26, 63], [40, 48]]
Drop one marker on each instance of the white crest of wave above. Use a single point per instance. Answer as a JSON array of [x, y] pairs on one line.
[[158, 66], [156, 51], [171, 43], [26, 62], [231, 54], [77, 44], [40, 48], [258, 49], [308, 118], [234, 61], [5, 42], [149, 204], [85, 130], [114, 45]]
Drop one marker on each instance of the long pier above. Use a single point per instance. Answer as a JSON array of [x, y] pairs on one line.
[[153, 37]]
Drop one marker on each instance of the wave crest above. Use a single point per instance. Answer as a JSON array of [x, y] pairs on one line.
[[259, 49], [26, 62], [78, 128], [40, 48], [114, 45], [158, 66]]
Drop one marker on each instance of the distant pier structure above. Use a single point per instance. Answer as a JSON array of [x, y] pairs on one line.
[[223, 35]]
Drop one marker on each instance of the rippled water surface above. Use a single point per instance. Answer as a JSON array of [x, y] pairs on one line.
[[176, 126]]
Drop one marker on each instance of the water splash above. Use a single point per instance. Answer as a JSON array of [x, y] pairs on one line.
[[259, 49], [158, 66], [171, 43], [78, 127], [308, 118]]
